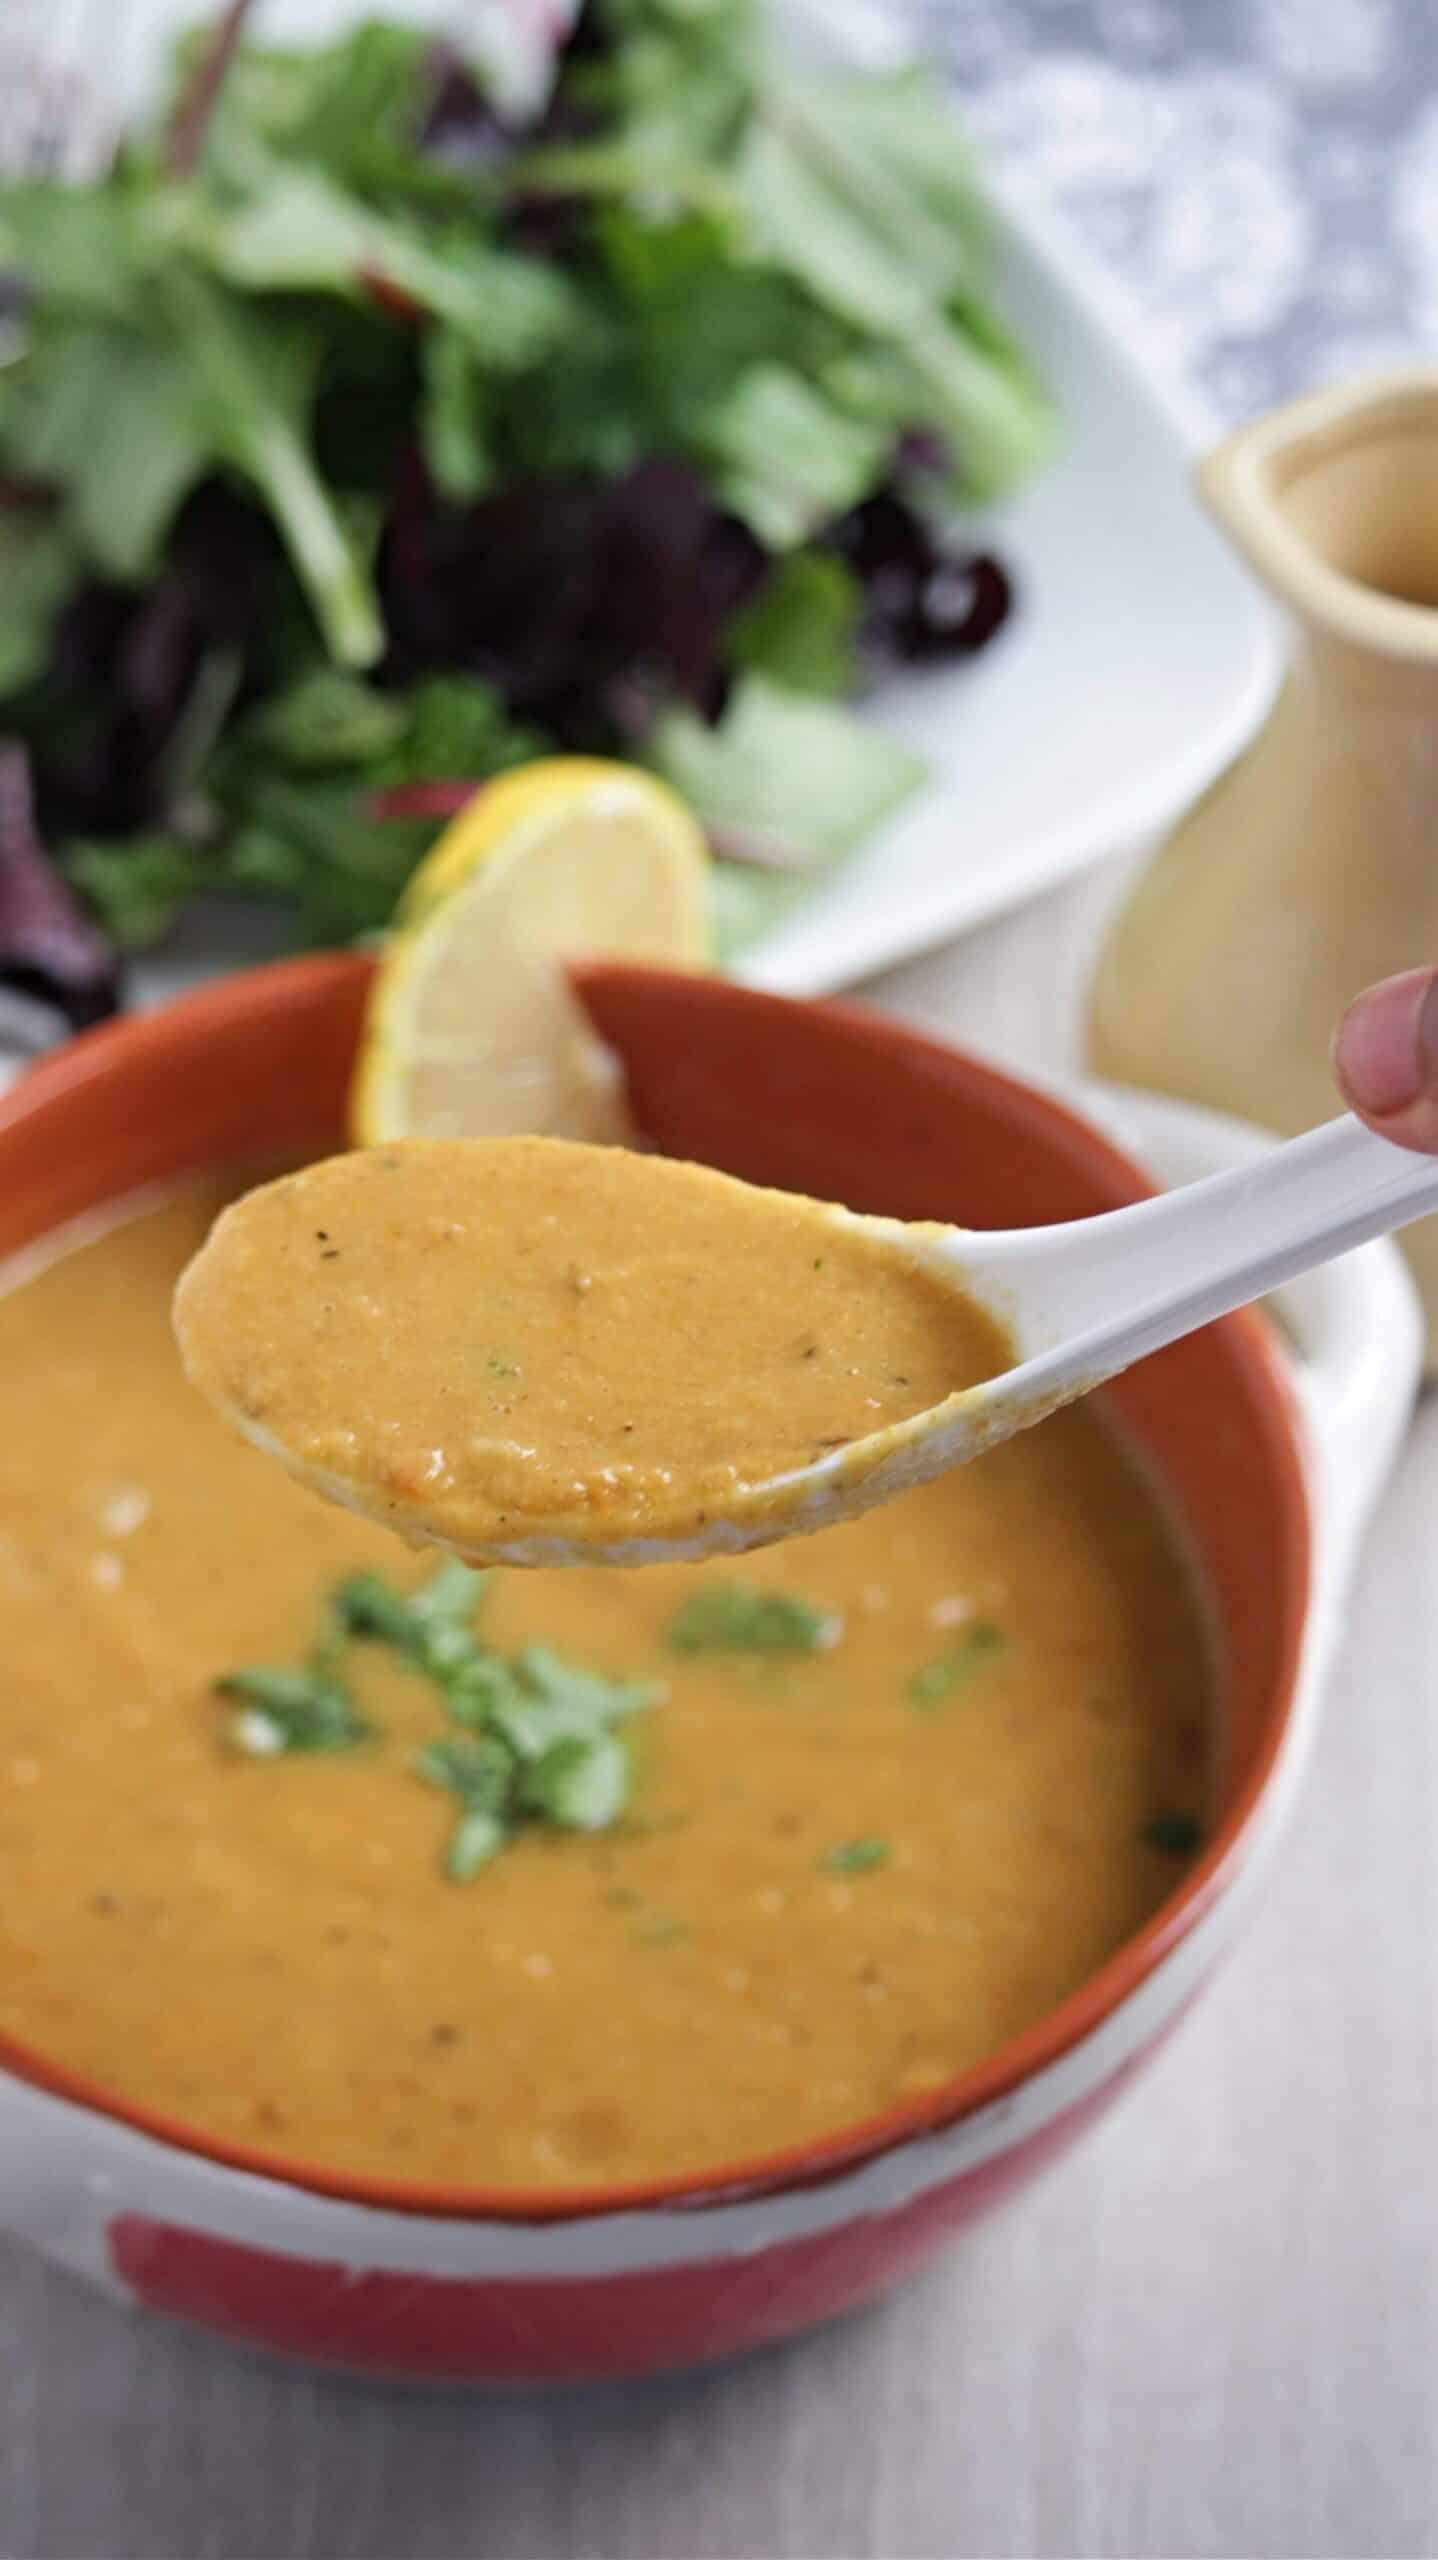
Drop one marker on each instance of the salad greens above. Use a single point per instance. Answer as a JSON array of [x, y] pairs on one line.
[[361, 436]]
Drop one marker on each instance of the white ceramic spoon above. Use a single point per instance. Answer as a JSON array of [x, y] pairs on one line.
[[1077, 1303], [1080, 1302]]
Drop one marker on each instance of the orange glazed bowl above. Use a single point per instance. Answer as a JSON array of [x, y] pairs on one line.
[[1271, 1464]]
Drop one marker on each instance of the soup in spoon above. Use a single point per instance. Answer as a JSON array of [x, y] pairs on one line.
[[488, 1342]]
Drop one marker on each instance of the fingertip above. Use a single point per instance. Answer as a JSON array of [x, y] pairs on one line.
[[1383, 1053]]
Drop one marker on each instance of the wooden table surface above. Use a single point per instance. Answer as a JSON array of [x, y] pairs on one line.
[[1213, 2330]]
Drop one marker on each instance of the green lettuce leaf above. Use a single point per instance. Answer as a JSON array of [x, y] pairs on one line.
[[786, 458], [843, 192], [301, 234], [783, 764], [110, 417], [37, 570], [800, 629], [254, 376]]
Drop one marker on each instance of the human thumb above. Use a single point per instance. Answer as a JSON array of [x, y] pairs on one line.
[[1385, 1057]]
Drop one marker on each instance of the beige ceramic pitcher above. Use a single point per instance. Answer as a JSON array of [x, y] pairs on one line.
[[1311, 866]]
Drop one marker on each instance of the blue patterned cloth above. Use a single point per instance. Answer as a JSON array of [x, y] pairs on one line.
[[1264, 173]]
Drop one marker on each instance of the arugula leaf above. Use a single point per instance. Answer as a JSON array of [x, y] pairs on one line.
[[456, 725], [697, 322], [254, 376], [477, 1837], [679, 74], [800, 629], [37, 569], [786, 457], [326, 719], [740, 1617], [855, 1857], [842, 191], [85, 250], [348, 107], [788, 765], [284, 1710], [299, 233], [311, 845], [454, 416], [110, 418], [137, 885], [938, 1679]]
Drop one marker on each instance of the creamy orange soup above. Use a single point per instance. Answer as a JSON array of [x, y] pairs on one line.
[[475, 1340], [903, 1786]]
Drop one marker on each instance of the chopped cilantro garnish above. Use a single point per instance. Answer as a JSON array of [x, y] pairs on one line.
[[1179, 1835], [452, 1593], [580, 1785], [433, 1625], [477, 1767], [476, 1838], [481, 1772], [560, 1701], [290, 1711], [533, 1740], [366, 1605], [938, 1679], [739, 1617], [479, 1687], [855, 1857]]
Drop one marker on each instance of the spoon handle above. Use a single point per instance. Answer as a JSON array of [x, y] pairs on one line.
[[1119, 1286]]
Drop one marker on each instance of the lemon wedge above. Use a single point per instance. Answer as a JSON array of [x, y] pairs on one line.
[[471, 1029]]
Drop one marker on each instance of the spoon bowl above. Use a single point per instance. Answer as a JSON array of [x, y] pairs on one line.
[[1078, 1303], [654, 1399]]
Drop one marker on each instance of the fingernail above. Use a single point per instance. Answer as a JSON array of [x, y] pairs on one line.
[[1386, 1052]]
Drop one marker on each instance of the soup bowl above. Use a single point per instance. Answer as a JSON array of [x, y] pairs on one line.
[[1270, 1460]]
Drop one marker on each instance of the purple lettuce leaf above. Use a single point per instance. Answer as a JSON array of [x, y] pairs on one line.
[[925, 598], [50, 951], [588, 604]]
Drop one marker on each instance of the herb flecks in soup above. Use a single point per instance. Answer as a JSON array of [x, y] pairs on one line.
[[478, 1341], [536, 1739], [829, 1888]]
